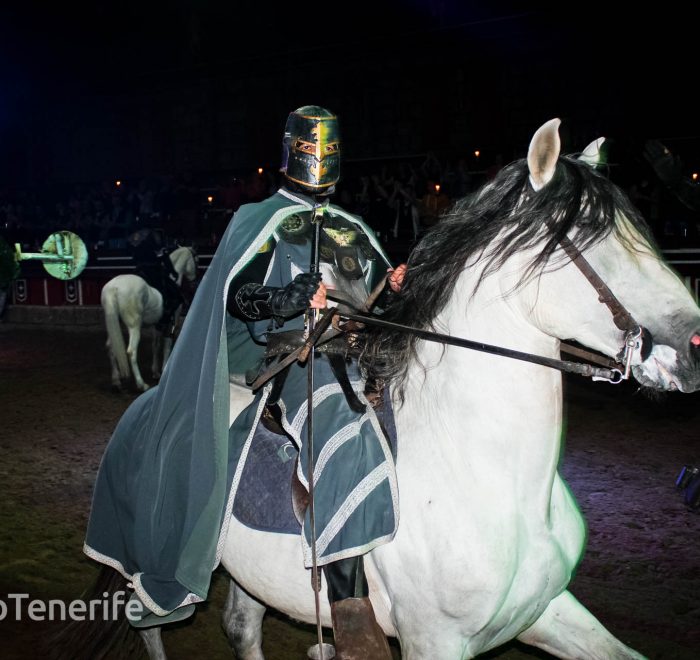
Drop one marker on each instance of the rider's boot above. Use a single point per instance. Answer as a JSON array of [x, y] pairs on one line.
[[356, 632]]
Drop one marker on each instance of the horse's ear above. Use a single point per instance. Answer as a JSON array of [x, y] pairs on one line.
[[593, 154], [543, 153]]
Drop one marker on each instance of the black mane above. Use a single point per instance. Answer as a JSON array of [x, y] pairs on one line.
[[577, 197]]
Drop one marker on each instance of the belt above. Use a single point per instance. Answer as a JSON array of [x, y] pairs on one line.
[[280, 343]]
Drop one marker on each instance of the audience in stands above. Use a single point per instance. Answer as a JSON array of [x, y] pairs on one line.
[[398, 199]]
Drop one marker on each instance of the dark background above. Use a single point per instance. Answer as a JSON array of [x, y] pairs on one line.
[[102, 90], [107, 89]]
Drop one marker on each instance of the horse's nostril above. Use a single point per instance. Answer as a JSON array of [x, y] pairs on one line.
[[695, 340]]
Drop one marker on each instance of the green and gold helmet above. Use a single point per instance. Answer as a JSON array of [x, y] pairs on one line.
[[311, 149]]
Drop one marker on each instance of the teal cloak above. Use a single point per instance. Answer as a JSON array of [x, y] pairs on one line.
[[159, 503]]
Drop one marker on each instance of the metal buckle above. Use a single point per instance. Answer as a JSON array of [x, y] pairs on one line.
[[633, 342], [615, 379]]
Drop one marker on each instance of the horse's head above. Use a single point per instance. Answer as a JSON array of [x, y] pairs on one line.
[[617, 244], [515, 239]]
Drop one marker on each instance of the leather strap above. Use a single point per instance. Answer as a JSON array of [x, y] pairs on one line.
[[340, 372], [621, 317]]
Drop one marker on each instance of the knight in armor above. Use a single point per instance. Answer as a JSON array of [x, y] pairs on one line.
[[166, 486], [271, 295], [152, 263]]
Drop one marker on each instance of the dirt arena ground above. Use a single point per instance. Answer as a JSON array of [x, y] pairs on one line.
[[640, 574]]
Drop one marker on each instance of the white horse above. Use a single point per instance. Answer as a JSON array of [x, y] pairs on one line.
[[129, 299], [489, 535]]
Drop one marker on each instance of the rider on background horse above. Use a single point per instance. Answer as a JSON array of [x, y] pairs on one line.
[[152, 262], [164, 492]]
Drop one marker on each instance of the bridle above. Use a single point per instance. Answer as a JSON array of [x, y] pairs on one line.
[[636, 336], [614, 371]]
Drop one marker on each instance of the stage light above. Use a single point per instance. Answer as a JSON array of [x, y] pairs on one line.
[[210, 199], [260, 170], [117, 183], [477, 153], [437, 187], [694, 176]]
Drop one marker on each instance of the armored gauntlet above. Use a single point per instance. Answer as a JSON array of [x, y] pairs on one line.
[[256, 301]]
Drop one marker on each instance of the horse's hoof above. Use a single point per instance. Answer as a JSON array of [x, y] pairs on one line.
[[143, 387]]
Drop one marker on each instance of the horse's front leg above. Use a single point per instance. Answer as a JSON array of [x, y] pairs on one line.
[[153, 642], [132, 351], [242, 622], [566, 629]]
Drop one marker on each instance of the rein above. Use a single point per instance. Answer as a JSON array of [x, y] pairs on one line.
[[597, 373], [636, 337]]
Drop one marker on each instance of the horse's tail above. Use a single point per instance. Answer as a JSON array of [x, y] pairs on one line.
[[107, 634], [110, 304]]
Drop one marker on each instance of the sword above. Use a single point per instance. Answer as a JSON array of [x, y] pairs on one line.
[[317, 221]]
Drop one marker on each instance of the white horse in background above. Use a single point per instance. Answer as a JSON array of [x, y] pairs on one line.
[[128, 299]]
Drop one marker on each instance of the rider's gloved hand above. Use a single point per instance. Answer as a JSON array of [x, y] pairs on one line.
[[296, 296], [253, 302]]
